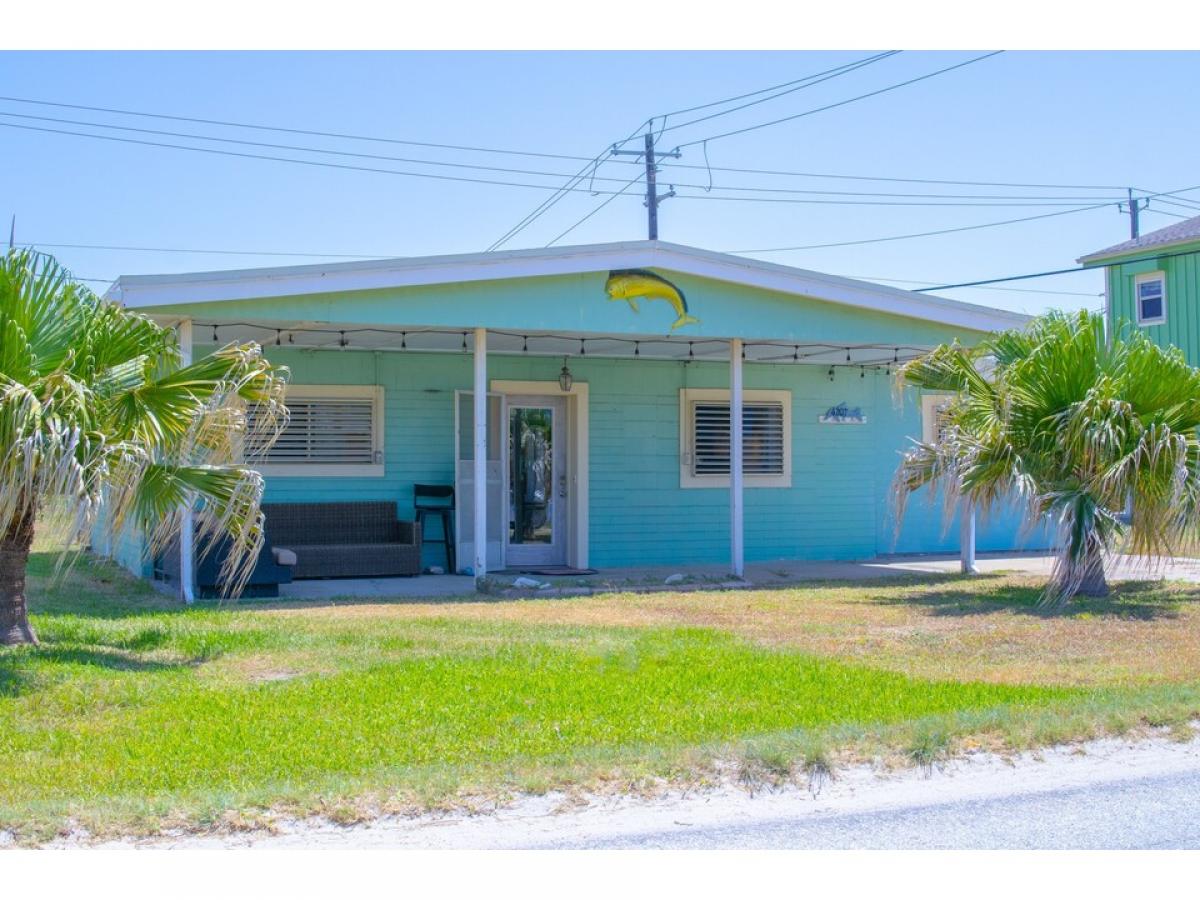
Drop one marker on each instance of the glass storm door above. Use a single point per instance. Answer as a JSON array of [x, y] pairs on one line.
[[537, 482]]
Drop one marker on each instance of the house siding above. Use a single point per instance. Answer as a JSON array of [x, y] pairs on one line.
[[1182, 327], [836, 508]]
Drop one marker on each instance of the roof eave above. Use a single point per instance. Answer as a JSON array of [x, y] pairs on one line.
[[249, 284]]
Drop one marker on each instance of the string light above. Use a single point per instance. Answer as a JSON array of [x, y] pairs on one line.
[[819, 349]]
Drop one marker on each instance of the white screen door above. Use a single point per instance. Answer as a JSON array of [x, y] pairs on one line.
[[464, 480], [537, 480]]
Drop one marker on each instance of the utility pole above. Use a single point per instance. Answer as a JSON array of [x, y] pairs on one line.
[[653, 197], [1133, 207]]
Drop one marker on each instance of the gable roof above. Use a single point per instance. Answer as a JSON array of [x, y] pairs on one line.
[[1185, 232], [248, 284]]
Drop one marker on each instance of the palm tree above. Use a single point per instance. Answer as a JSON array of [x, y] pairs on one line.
[[101, 428], [1095, 435]]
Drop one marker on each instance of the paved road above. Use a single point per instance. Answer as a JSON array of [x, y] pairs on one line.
[[1155, 812]]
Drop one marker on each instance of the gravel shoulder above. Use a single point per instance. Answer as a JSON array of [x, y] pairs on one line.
[[1070, 772]]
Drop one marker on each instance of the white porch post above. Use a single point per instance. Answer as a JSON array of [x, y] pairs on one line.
[[736, 547], [480, 456], [187, 523], [966, 538]]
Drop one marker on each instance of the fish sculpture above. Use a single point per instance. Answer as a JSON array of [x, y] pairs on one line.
[[632, 285]]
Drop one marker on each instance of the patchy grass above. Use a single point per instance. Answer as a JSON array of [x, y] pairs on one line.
[[136, 713]]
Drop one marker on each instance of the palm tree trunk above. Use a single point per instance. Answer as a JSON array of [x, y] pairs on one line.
[[1093, 583], [14, 557]]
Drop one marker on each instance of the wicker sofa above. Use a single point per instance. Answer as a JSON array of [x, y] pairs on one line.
[[345, 540]]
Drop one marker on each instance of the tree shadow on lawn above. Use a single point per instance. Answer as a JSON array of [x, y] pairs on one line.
[[1139, 600], [19, 673]]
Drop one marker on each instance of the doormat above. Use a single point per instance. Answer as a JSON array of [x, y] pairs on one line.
[[558, 571]]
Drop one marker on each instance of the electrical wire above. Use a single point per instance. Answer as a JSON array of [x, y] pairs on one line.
[[601, 206], [573, 179], [829, 106], [680, 112], [920, 234], [547, 204], [282, 129], [811, 81], [300, 162], [293, 147], [572, 186], [1150, 258]]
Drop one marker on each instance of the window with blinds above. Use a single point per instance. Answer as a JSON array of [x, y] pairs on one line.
[[328, 430], [704, 438], [935, 418], [762, 438]]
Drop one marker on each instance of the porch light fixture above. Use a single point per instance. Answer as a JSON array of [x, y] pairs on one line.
[[565, 378]]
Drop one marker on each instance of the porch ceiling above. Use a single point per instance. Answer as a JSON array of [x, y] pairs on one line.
[[333, 336]]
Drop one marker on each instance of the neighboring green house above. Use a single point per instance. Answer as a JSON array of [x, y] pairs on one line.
[[611, 372], [1154, 281]]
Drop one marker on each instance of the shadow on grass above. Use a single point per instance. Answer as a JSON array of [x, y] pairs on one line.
[[21, 672], [971, 596]]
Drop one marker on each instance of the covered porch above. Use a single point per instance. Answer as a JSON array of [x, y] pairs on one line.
[[750, 417]]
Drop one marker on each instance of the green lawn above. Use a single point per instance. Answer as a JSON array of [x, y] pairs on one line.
[[134, 712]]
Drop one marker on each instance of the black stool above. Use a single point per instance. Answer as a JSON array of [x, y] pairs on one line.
[[437, 500]]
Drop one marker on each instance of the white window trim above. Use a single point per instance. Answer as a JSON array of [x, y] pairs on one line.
[[326, 470], [1137, 302], [929, 405], [689, 396]]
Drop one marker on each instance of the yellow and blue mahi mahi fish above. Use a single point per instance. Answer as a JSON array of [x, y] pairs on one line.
[[632, 285]]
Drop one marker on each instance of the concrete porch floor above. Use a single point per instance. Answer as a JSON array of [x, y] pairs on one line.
[[762, 574]]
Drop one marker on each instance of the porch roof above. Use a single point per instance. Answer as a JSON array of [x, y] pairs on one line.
[[140, 291]]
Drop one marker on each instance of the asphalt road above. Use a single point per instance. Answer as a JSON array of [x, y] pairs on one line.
[[1159, 812]]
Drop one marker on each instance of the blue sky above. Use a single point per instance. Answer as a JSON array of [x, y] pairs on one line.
[[1074, 118]]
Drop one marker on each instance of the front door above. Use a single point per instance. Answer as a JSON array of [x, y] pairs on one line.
[[537, 482]]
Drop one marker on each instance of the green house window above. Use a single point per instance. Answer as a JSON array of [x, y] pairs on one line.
[[1150, 292]]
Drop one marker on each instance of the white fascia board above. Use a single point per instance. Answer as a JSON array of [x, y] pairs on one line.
[[250, 284]]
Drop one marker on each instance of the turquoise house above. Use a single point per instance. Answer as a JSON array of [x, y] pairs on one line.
[[1153, 282], [611, 435]]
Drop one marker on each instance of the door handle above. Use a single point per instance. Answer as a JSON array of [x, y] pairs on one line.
[[562, 485]]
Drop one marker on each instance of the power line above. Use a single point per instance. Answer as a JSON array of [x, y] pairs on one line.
[[594, 211], [300, 149], [799, 81], [305, 131], [545, 206], [811, 81], [964, 183], [1006, 290], [874, 93], [300, 162], [1096, 268], [920, 234], [573, 179]]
